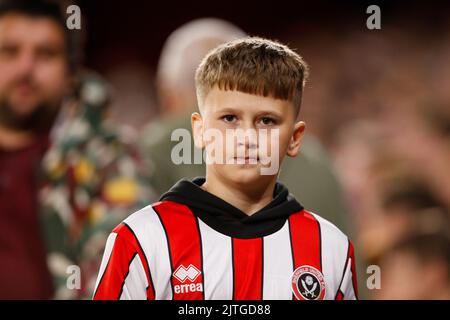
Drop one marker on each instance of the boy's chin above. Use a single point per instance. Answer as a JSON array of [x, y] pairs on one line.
[[246, 174]]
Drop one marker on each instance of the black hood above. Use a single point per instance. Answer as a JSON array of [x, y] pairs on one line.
[[229, 220]]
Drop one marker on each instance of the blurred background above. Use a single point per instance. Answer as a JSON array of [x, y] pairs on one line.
[[376, 160]]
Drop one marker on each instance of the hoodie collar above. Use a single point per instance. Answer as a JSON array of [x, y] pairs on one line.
[[226, 218]]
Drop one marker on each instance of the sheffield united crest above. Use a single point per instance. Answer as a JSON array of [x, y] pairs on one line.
[[308, 283]]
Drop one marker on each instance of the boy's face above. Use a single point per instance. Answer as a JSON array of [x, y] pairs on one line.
[[246, 136]]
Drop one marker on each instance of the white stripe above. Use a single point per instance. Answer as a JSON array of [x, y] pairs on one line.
[[347, 284], [278, 266], [106, 255], [334, 255], [217, 264], [150, 233], [135, 284]]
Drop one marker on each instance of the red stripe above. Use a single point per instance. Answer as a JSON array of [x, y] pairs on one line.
[[131, 237], [353, 268], [185, 248], [305, 236], [339, 295], [247, 269], [112, 281], [305, 240]]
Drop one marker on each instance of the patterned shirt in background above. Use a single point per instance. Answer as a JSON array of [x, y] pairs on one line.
[[91, 179]]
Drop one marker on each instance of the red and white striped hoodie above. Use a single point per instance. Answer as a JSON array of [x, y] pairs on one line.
[[194, 245]]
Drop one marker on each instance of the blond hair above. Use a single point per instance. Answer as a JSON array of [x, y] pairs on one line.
[[256, 66]]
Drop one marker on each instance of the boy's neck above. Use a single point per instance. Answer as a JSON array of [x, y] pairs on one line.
[[241, 196]]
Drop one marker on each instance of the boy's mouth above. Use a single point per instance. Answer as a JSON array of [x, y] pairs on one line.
[[246, 160]]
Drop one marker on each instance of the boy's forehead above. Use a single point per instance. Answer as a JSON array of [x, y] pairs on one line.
[[220, 99]]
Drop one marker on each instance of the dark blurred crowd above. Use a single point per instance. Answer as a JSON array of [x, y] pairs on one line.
[[380, 102], [79, 152]]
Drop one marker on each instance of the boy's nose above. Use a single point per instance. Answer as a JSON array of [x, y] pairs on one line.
[[249, 140]]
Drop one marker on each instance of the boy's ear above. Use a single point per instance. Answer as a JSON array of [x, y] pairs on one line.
[[296, 139], [197, 130]]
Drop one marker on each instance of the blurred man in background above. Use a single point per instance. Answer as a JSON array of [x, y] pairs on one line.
[[66, 177], [180, 57]]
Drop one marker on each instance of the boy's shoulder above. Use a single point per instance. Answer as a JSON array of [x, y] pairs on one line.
[[331, 237], [327, 227], [148, 219]]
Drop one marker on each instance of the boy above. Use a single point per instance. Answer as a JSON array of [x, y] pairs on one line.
[[237, 233]]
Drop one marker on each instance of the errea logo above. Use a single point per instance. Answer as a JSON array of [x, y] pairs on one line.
[[183, 274]]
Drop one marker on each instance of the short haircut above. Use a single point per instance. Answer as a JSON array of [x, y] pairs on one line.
[[256, 66], [45, 9]]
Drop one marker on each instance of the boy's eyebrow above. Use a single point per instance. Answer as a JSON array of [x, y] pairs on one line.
[[271, 113], [229, 110], [259, 113]]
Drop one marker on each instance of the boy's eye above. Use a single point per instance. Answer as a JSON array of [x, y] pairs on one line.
[[229, 118], [267, 121]]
